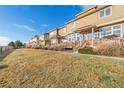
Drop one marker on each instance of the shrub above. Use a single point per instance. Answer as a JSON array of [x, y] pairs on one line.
[[87, 50], [109, 49]]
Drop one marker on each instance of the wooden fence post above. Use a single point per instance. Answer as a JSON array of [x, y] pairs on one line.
[[0, 49]]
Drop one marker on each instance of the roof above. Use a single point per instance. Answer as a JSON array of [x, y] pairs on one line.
[[85, 29], [61, 27], [95, 6], [53, 30], [97, 9]]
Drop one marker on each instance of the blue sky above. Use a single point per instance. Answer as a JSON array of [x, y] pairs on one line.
[[24, 22]]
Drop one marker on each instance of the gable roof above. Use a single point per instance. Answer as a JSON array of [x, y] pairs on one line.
[[84, 12]]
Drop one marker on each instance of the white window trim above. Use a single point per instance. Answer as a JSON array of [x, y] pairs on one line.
[[104, 13], [120, 29], [121, 33]]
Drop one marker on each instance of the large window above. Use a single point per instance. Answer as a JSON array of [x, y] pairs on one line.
[[117, 30], [106, 12], [106, 31], [111, 30]]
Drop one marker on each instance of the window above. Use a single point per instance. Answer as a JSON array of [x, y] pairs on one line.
[[96, 35], [72, 25], [74, 37], [117, 30], [111, 30], [102, 14], [68, 37], [64, 30], [78, 37], [106, 31], [106, 12]]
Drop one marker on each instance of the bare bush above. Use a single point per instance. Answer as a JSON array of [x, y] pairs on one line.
[[113, 48]]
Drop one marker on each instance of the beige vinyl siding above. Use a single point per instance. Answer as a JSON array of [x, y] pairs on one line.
[[61, 32], [93, 19], [53, 34], [41, 37]]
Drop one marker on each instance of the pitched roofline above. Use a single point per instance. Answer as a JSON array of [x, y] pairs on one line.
[[52, 30], [95, 6], [87, 14]]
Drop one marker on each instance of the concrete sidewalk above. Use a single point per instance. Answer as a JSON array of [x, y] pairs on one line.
[[100, 56], [109, 57]]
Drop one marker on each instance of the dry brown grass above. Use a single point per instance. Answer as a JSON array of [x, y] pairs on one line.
[[41, 68]]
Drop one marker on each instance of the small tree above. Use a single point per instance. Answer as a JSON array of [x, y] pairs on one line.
[[18, 44], [12, 44]]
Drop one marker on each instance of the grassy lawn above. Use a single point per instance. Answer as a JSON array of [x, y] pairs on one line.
[[41, 68]]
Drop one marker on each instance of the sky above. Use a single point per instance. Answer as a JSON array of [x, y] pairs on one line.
[[23, 22]]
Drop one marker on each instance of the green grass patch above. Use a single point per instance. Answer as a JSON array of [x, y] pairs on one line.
[[87, 50]]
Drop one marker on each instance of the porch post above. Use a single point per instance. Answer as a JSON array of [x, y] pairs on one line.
[[92, 37], [81, 38], [100, 34], [86, 36]]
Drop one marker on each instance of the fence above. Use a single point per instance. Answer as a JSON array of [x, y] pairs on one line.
[[5, 48]]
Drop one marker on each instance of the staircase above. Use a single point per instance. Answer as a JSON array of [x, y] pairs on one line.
[[79, 45]]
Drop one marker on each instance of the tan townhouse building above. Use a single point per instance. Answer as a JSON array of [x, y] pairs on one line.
[[95, 23], [44, 40], [34, 41], [41, 40], [54, 37]]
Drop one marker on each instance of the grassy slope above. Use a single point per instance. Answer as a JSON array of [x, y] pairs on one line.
[[40, 68]]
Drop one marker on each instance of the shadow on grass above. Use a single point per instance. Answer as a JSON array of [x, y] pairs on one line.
[[4, 54], [2, 66]]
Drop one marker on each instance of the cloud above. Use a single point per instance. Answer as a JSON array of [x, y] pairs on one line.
[[84, 7], [31, 20], [4, 41], [44, 25], [24, 27]]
